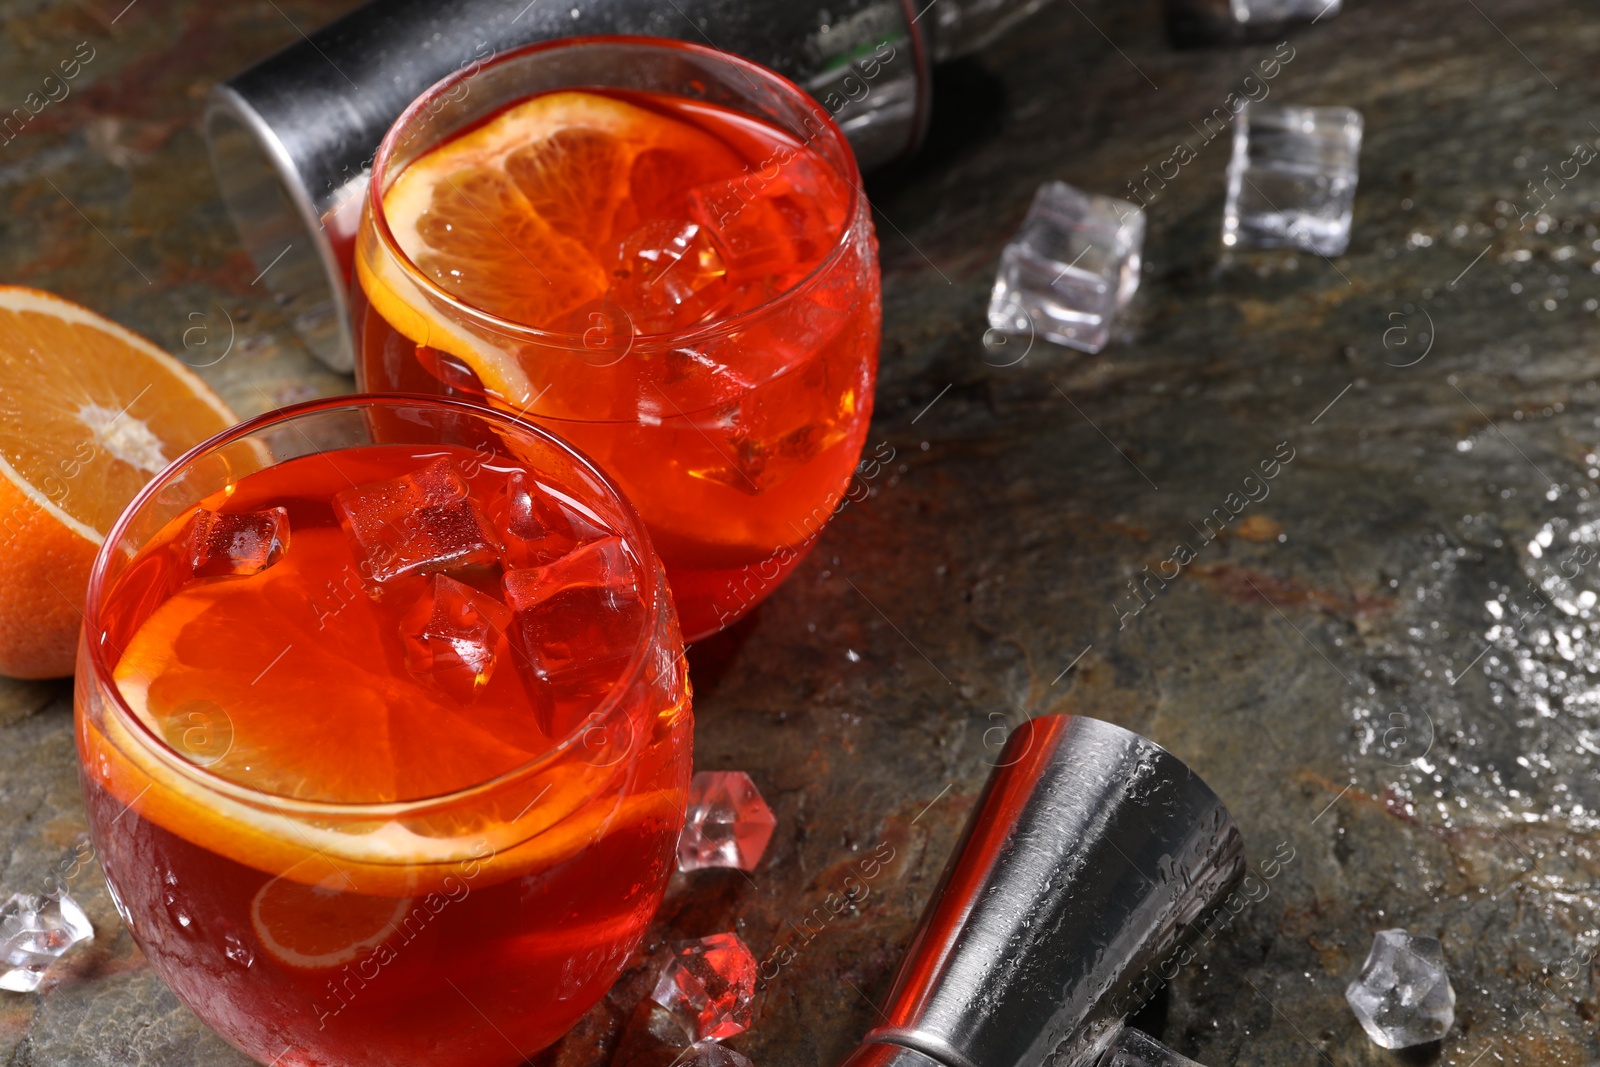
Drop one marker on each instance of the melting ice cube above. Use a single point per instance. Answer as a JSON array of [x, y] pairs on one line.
[[710, 986], [539, 524], [422, 522], [455, 636], [729, 824], [1292, 179], [1402, 997], [34, 932], [1072, 264], [237, 543], [575, 626], [773, 219], [669, 276]]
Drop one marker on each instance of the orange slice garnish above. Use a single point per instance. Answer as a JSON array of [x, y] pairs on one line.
[[237, 679], [316, 917], [518, 218], [322, 714]]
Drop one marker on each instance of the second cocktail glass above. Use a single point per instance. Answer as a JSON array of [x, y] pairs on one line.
[[662, 254]]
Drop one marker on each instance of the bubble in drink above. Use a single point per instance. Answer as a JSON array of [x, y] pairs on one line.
[[237, 544], [455, 636], [419, 523]]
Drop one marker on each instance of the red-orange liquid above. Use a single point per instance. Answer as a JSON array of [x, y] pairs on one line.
[[296, 952], [735, 447]]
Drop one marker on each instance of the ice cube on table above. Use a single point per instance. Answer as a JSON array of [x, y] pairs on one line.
[[237, 543], [1402, 997], [575, 625], [1203, 21], [710, 986], [712, 1054], [1072, 265], [420, 523], [1292, 179], [455, 636], [34, 932], [729, 824], [538, 524]]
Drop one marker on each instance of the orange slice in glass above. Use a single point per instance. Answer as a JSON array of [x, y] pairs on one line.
[[236, 679], [317, 917], [328, 715], [520, 218]]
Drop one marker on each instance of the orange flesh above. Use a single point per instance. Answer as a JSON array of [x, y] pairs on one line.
[[656, 211]]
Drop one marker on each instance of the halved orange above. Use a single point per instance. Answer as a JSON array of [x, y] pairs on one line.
[[520, 218], [89, 412]]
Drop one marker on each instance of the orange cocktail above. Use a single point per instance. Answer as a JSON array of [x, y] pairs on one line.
[[659, 252], [385, 733]]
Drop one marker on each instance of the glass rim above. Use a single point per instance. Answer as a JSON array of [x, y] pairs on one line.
[[557, 339], [100, 672]]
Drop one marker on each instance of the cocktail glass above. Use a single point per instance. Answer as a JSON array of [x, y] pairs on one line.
[[733, 424], [385, 732]]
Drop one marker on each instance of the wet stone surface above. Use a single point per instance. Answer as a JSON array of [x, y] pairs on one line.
[[1385, 662]]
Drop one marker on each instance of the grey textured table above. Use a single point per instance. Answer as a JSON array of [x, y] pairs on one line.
[[1383, 666]]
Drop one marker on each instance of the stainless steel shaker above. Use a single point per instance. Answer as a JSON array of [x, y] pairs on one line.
[[1090, 857], [292, 138]]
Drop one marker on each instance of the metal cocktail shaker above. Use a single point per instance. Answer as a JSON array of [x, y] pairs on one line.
[[1090, 857], [292, 138]]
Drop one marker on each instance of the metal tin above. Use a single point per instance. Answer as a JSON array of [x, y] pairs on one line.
[[1088, 860]]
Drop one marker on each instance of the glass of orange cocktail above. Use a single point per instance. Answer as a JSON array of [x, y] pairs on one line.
[[661, 253], [385, 732]]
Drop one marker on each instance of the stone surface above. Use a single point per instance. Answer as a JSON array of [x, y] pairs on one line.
[[1402, 996], [1308, 679]]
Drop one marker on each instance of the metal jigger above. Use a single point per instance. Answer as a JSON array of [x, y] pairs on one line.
[[1090, 856]]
